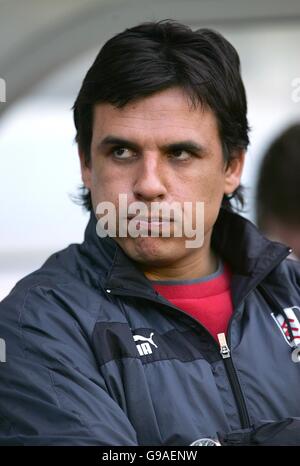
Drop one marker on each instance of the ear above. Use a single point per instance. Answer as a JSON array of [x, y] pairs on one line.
[[85, 170], [233, 171]]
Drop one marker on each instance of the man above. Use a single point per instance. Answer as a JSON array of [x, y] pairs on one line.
[[278, 190], [139, 339]]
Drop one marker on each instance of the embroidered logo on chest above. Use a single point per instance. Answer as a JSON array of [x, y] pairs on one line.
[[293, 318], [144, 347]]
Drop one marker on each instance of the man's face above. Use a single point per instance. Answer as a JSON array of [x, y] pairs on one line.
[[166, 151]]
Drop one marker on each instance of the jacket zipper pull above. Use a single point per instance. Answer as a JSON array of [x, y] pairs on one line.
[[224, 349]]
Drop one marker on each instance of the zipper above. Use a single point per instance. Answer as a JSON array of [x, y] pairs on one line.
[[226, 355], [223, 349], [234, 381]]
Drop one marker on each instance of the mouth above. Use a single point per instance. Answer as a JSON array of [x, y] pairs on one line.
[[146, 223], [157, 226], [150, 220]]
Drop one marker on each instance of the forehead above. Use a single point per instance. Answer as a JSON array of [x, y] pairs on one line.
[[164, 113]]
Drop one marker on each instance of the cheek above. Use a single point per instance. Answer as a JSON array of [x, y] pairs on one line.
[[107, 184], [214, 195], [215, 192], [209, 188], [104, 179]]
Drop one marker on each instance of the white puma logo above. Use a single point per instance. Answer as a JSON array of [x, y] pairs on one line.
[[144, 348]]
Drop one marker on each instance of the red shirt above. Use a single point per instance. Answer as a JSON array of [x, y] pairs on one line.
[[207, 299]]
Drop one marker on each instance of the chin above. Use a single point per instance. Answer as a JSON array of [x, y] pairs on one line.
[[154, 251]]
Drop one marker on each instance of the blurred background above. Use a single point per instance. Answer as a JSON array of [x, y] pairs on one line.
[[46, 47]]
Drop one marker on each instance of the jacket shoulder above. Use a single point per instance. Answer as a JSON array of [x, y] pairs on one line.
[[291, 268], [285, 279], [63, 274], [50, 308], [46, 322]]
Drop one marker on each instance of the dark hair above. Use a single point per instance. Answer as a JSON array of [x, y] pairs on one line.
[[158, 55], [278, 186]]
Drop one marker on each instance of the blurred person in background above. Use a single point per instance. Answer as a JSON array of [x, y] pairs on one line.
[[278, 190]]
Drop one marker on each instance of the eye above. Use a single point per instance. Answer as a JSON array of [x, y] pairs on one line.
[[121, 153], [181, 154]]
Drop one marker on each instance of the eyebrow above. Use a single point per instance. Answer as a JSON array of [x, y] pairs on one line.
[[188, 145]]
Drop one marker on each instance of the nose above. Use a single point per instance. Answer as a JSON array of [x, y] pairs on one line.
[[149, 183]]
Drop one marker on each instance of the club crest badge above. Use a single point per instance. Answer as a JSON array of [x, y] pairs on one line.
[[292, 316]]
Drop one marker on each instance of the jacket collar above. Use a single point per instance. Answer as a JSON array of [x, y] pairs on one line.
[[243, 247], [248, 253]]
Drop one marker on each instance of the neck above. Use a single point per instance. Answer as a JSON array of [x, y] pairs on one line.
[[197, 265]]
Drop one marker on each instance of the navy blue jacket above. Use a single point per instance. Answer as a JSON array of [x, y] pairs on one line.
[[94, 356]]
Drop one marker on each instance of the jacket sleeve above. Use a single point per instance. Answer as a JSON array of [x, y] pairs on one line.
[[51, 389]]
